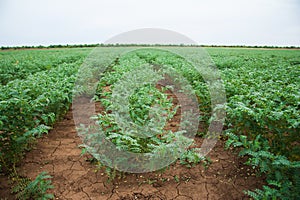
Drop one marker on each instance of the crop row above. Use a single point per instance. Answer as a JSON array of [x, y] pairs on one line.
[[136, 111], [20, 64], [263, 101], [30, 106]]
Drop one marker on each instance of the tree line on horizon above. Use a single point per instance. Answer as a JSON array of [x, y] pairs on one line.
[[129, 45]]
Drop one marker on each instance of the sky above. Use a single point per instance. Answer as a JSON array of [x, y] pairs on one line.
[[210, 22]]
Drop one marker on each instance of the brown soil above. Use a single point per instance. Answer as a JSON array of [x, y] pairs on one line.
[[75, 177]]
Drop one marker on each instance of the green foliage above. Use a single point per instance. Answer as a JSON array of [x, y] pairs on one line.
[[262, 89], [149, 108], [190, 158], [36, 189], [141, 100], [12, 148], [282, 175], [21, 64], [30, 105]]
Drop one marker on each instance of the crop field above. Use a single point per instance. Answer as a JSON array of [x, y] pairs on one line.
[[51, 148]]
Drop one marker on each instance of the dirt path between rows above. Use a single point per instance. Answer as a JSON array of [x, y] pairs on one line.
[[75, 177]]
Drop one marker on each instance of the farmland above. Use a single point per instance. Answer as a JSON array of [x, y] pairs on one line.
[[261, 128]]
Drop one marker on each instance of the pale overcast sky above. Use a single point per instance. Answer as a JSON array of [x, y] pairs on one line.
[[228, 22]]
